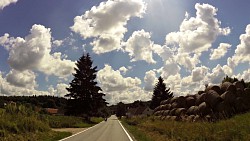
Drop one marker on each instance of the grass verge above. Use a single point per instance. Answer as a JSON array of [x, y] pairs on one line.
[[71, 121], [234, 129], [136, 132]]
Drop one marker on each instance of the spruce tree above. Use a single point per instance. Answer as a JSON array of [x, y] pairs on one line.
[[85, 97], [160, 93]]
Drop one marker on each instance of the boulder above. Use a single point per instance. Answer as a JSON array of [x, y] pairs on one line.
[[240, 105], [193, 110], [180, 112], [190, 118], [204, 109], [228, 97], [166, 113], [239, 92], [224, 86], [166, 101], [172, 112], [200, 99], [231, 88], [212, 98], [239, 85], [213, 87], [190, 101]]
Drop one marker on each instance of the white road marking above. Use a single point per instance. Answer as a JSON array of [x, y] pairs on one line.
[[125, 131], [79, 132]]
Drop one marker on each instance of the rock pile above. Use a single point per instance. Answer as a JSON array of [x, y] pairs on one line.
[[216, 102]]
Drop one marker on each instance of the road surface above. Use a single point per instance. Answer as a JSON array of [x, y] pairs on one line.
[[111, 130]]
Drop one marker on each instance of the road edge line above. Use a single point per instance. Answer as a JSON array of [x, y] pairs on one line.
[[130, 139], [79, 132]]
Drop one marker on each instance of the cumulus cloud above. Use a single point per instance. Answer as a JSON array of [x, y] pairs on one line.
[[220, 51], [174, 83], [123, 70], [34, 53], [150, 80], [119, 88], [217, 75], [244, 75], [164, 52], [139, 46], [4, 3], [107, 28], [198, 33], [8, 89], [243, 49], [24, 79], [111, 80], [187, 61], [59, 90], [170, 68], [199, 73], [57, 43]]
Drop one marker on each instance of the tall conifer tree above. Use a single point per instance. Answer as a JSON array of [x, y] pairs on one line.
[[160, 93], [85, 97]]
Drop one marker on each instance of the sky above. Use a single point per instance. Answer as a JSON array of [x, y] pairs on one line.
[[132, 43]]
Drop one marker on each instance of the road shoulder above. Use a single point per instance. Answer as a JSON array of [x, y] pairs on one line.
[[71, 130]]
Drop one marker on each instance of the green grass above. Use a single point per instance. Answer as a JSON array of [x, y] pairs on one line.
[[71, 121], [234, 129], [137, 133], [39, 136], [55, 136], [23, 124]]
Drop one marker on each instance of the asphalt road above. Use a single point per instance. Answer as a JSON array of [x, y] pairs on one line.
[[111, 130]]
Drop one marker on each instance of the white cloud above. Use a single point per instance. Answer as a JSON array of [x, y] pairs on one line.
[[163, 51], [107, 28], [24, 79], [220, 51], [150, 80], [111, 80], [123, 70], [57, 43], [245, 75], [174, 83], [199, 73], [216, 76], [8, 89], [198, 33], [186, 81], [4, 3], [139, 46], [170, 68], [128, 96], [187, 61], [59, 90], [33, 53], [118, 88], [243, 49]]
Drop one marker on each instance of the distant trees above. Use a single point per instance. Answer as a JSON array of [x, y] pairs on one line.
[[229, 79], [85, 97], [160, 93], [121, 110]]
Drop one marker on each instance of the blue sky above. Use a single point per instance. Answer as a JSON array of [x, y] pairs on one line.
[[133, 42]]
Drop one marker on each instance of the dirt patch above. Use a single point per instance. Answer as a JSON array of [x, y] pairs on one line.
[[71, 130]]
